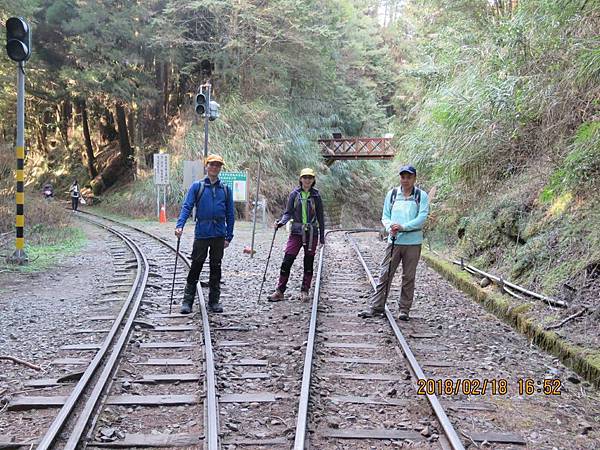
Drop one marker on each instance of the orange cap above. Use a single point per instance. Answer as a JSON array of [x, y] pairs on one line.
[[214, 158]]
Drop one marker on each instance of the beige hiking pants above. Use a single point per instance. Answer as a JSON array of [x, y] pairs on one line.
[[409, 255]]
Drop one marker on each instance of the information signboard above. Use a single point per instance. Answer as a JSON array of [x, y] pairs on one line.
[[238, 182], [192, 171], [161, 169]]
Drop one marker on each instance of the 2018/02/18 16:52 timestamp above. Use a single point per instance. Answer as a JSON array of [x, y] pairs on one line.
[[492, 386]]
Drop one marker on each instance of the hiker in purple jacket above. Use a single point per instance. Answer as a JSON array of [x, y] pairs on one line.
[[305, 209]]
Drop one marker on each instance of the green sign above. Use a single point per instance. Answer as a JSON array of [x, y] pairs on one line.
[[238, 183]]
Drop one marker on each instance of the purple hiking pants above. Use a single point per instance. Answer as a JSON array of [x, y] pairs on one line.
[[294, 244]]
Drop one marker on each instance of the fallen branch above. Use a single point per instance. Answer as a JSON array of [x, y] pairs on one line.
[[568, 319], [20, 361], [503, 283]]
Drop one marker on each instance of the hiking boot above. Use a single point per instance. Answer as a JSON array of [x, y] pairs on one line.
[[213, 301], [188, 298], [368, 313], [276, 296], [402, 315], [304, 297], [215, 307]]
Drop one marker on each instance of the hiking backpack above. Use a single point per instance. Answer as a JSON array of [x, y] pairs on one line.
[[417, 198], [201, 191]]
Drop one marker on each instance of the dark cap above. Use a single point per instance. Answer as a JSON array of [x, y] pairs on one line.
[[408, 169]]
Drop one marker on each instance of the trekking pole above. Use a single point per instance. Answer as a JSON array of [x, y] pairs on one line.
[[267, 266], [389, 280], [174, 272]]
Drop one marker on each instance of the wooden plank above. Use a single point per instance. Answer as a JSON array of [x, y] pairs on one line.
[[358, 360], [259, 397], [152, 400], [360, 345], [423, 335], [370, 434], [231, 344], [152, 440], [248, 362], [172, 316], [72, 376], [499, 438], [81, 347], [88, 331], [368, 400], [257, 442], [168, 378], [253, 376], [176, 328], [231, 328], [23, 403], [365, 376], [42, 382], [167, 362], [98, 318], [170, 345], [70, 362], [9, 443], [438, 364], [348, 333], [470, 406]]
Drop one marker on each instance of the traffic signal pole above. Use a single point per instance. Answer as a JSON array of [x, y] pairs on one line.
[[206, 118], [19, 256], [18, 48]]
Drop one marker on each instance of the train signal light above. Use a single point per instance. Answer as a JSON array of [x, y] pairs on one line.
[[201, 103], [213, 113], [18, 39]]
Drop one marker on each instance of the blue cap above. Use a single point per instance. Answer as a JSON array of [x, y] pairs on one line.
[[408, 169]]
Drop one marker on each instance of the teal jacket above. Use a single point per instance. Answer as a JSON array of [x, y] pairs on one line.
[[405, 213]]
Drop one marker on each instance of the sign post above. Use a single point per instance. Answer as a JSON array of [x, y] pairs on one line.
[[161, 178], [237, 182]]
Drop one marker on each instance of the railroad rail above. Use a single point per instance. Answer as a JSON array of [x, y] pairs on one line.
[[300, 441], [77, 418]]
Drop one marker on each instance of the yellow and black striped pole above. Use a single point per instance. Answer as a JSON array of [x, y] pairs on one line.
[[19, 256]]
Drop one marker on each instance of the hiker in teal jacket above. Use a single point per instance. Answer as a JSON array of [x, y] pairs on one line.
[[404, 213], [214, 230]]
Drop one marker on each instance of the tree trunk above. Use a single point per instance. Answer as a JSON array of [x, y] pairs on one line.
[[89, 150], [65, 112], [165, 91], [126, 150]]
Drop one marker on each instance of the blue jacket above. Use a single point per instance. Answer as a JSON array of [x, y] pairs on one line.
[[404, 212], [293, 211], [214, 215]]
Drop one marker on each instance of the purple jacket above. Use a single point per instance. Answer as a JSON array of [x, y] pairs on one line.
[[315, 215]]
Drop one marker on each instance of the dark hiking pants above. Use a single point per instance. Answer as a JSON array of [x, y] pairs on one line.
[[214, 248]]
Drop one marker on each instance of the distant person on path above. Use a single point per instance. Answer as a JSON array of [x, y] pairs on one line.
[[213, 232], [305, 209], [48, 191], [404, 213], [74, 190]]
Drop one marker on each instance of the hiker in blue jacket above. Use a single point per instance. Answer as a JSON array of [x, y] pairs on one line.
[[214, 231], [404, 213]]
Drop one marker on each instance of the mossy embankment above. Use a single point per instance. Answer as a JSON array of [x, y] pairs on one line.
[[583, 360]]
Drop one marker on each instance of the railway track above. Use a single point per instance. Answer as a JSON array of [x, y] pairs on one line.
[[359, 402], [132, 377], [281, 375]]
